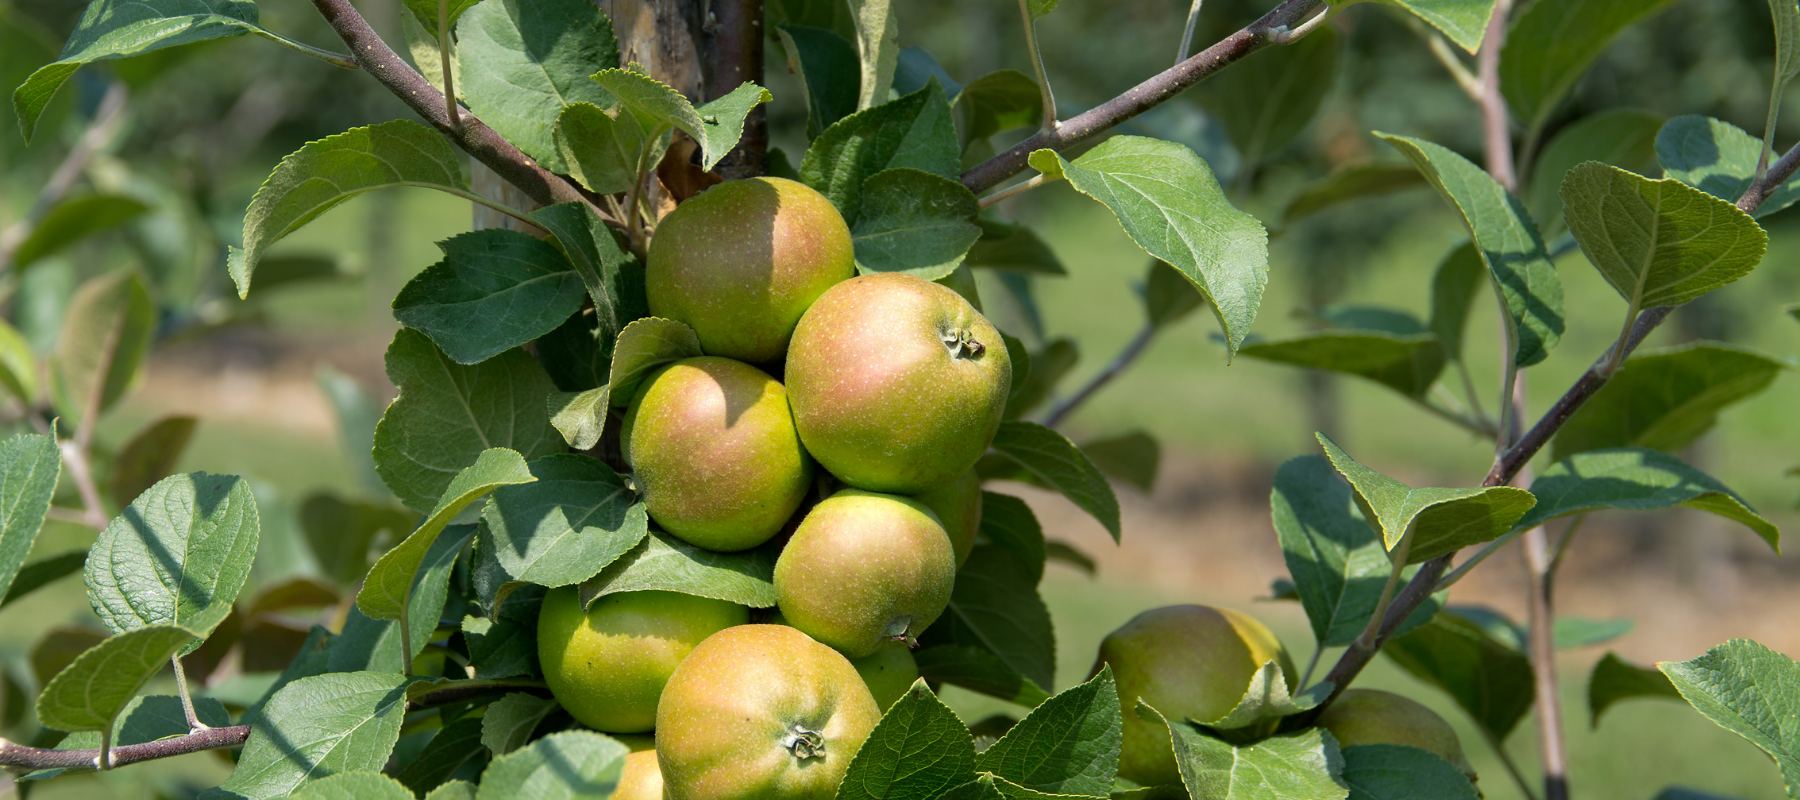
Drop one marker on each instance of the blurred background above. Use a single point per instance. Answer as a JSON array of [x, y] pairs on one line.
[[283, 385]]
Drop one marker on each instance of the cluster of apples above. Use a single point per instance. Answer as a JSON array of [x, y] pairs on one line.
[[894, 386]]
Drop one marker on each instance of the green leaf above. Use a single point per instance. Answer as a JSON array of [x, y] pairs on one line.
[[563, 528], [356, 414], [426, 11], [602, 150], [317, 177], [89, 693], [1068, 745], [525, 61], [1568, 633], [644, 346], [1507, 238], [1453, 288], [111, 29], [1265, 100], [178, 555], [458, 743], [1061, 465], [374, 644], [106, 332], [1048, 366], [915, 222], [561, 766], [878, 49], [29, 467], [1615, 680], [977, 669], [995, 607], [73, 220], [1167, 200], [1666, 399], [669, 564], [1408, 364], [1750, 690], [509, 721], [1017, 249], [341, 533], [447, 415], [828, 67], [1398, 772], [1439, 521], [454, 790], [716, 126], [37, 573], [1008, 522], [1659, 243], [148, 456], [915, 68], [1039, 8], [1132, 458], [1489, 678], [1464, 21], [1637, 479], [1266, 697], [914, 130], [1168, 295], [18, 367], [1718, 158], [1786, 17], [353, 786], [1057, 550], [1551, 44], [1620, 137], [1348, 184], [384, 592], [315, 727], [496, 289], [1301, 764], [1337, 561], [506, 646], [579, 416], [919, 751], [998, 101]]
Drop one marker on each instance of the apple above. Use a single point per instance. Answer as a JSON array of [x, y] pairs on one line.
[[897, 383], [1187, 662], [1371, 716], [888, 674], [865, 571], [642, 778], [740, 262], [761, 711], [714, 452], [957, 505], [607, 665]]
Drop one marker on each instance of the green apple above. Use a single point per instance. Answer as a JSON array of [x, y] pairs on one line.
[[957, 505], [865, 571], [1371, 716], [761, 711], [713, 448], [888, 673], [740, 262], [897, 383], [607, 665], [642, 778], [1187, 662]]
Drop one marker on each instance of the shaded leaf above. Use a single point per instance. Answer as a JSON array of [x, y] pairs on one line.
[[1046, 368], [1637, 479], [579, 416], [1666, 399], [1017, 249], [73, 220], [1266, 697], [602, 150], [664, 562], [1061, 465], [1487, 677], [1568, 633], [353, 786], [995, 608], [1408, 364], [1437, 521], [828, 67], [1453, 287], [644, 346], [148, 456], [561, 529], [914, 130], [1718, 158], [878, 49], [1132, 458], [977, 669], [1348, 184], [374, 644], [919, 751], [456, 744], [496, 289], [315, 727], [357, 414], [1615, 680], [18, 367], [998, 101], [614, 277], [1552, 43], [425, 12], [565, 765], [106, 332], [40, 572], [1398, 772], [91, 691], [1265, 100], [915, 222], [1463, 21], [1621, 137], [346, 535], [1168, 295], [1058, 550], [1067, 745], [1008, 522], [534, 58], [509, 721]]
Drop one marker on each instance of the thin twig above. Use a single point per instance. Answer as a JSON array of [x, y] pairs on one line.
[[1440, 48], [1128, 354], [100, 130], [1759, 191], [187, 700], [35, 758], [1045, 96], [1540, 613], [444, 56], [1142, 97], [1496, 129], [1187, 32], [93, 510], [1512, 768]]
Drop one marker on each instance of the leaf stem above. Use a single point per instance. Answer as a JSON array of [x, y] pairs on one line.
[[93, 509], [1369, 638], [334, 59], [1615, 356], [1440, 48], [1312, 664], [187, 700], [1015, 189], [1562, 543], [1187, 31], [1474, 398], [1512, 767], [1475, 560], [444, 46], [1285, 35], [1037, 67]]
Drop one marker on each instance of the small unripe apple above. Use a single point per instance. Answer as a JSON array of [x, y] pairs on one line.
[[642, 778], [761, 711], [888, 673], [897, 383], [865, 571], [1372, 716], [713, 448], [607, 665], [740, 262], [957, 505], [1188, 662]]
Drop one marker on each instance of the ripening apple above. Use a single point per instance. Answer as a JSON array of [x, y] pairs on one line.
[[761, 711], [607, 665], [888, 673], [897, 383], [1371, 716], [957, 505], [1187, 662], [865, 571], [642, 778], [713, 448], [740, 262]]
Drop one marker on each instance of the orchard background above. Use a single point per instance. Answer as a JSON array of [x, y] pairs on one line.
[[284, 387]]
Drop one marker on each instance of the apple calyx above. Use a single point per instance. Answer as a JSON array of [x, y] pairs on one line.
[[900, 630], [962, 343], [803, 743]]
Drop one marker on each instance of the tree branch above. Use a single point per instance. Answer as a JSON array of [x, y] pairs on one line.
[[1144, 96], [479, 140], [36, 758], [1128, 354], [1778, 174], [1497, 131]]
